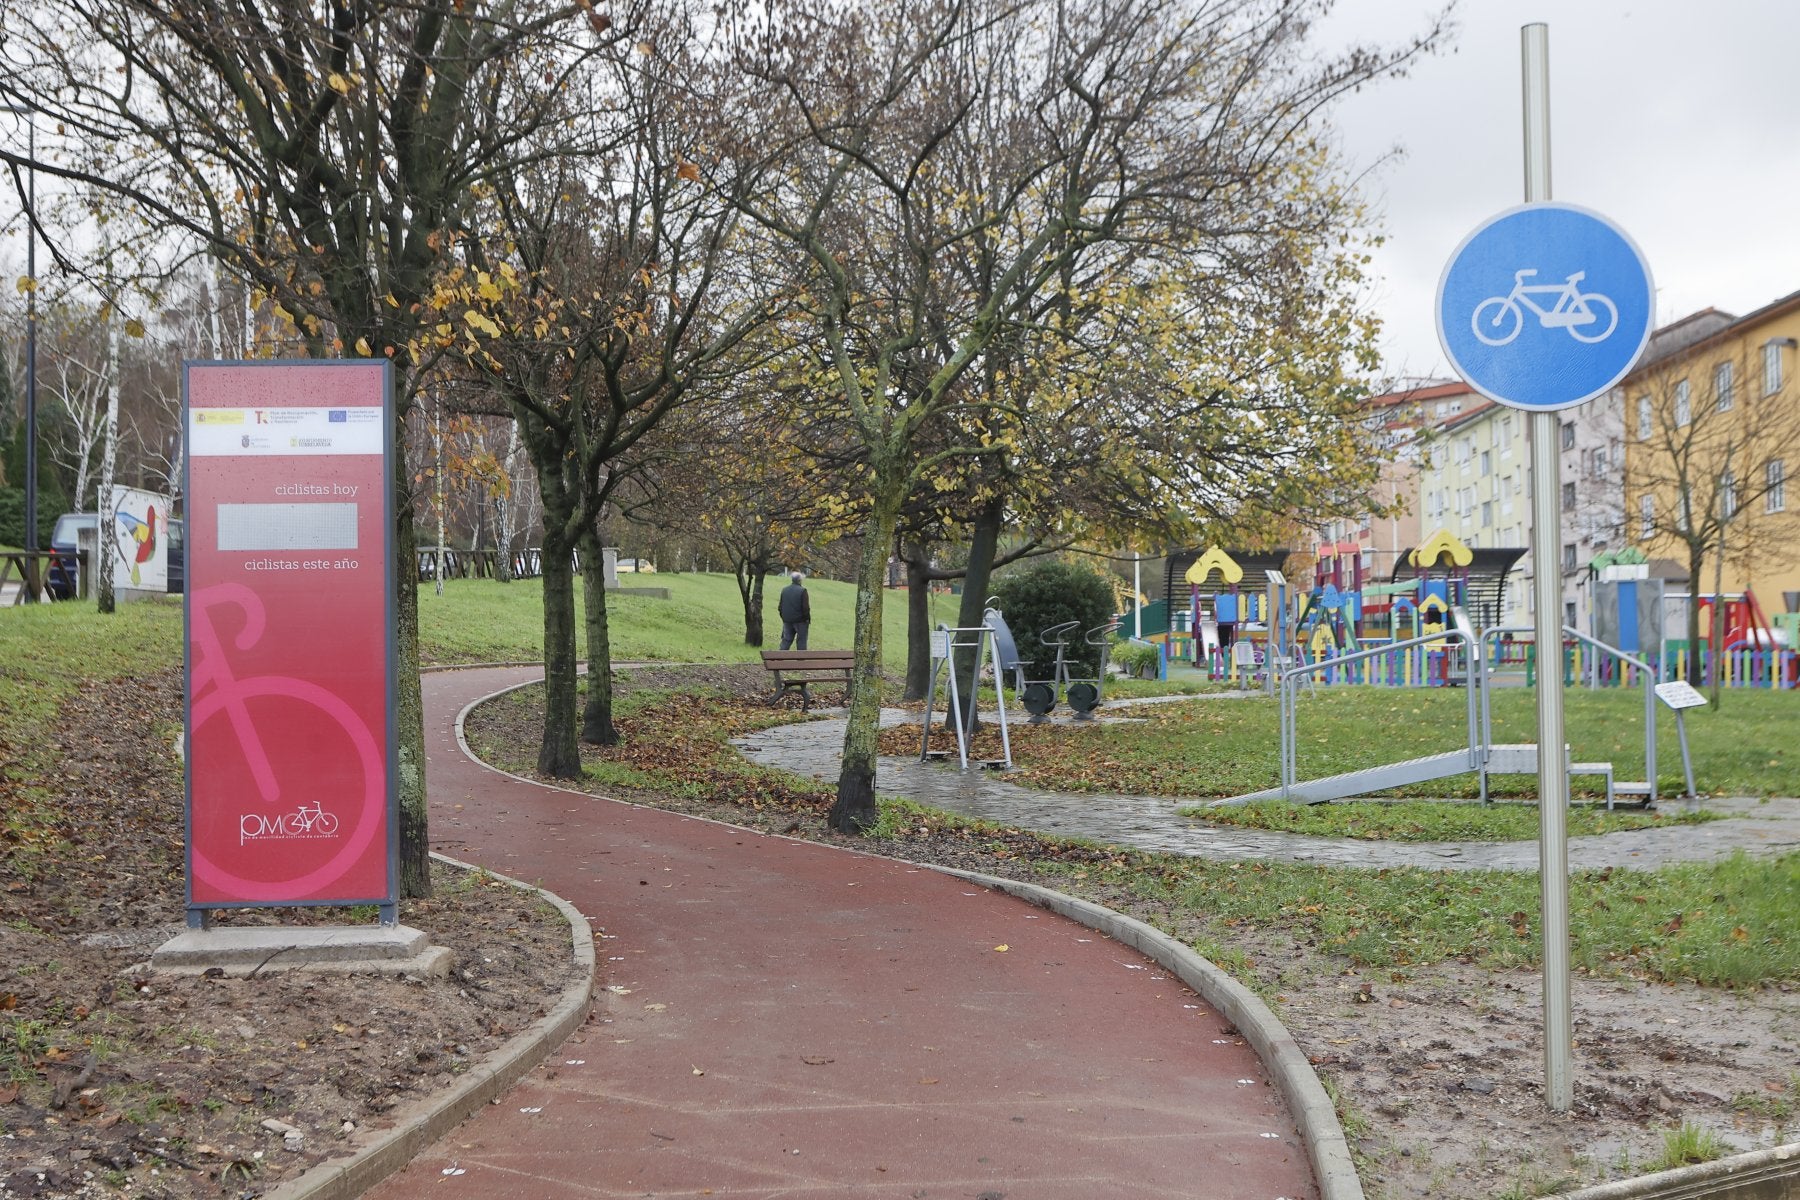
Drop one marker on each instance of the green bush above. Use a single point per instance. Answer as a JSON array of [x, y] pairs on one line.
[[1047, 593], [1139, 660]]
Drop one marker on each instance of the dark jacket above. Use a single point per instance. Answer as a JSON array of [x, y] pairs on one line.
[[795, 606]]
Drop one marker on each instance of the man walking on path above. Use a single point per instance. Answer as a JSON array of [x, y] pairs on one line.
[[796, 614]]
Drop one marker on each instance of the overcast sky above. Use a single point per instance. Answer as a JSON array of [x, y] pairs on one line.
[[1673, 117]]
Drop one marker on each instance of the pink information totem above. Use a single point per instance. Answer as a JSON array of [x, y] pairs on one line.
[[290, 643]]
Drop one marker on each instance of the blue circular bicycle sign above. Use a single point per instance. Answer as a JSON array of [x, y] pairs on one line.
[[1545, 306]]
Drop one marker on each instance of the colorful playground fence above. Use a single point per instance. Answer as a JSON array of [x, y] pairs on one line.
[[1743, 665]]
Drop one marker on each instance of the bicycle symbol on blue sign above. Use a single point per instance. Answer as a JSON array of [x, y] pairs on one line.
[[1531, 343], [1498, 319]]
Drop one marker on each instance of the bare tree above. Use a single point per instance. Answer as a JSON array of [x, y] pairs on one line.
[[329, 155], [1710, 440]]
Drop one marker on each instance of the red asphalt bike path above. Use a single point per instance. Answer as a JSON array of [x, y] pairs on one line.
[[777, 1018]]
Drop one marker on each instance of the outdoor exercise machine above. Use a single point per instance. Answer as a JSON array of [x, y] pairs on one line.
[[1083, 695], [989, 642], [1482, 754], [1039, 695]]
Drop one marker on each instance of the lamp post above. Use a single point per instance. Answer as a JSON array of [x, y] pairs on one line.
[[31, 529]]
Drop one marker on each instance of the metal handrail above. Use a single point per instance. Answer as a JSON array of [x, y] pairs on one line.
[[1624, 657]]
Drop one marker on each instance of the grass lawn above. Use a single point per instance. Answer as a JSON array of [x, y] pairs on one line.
[[480, 620]]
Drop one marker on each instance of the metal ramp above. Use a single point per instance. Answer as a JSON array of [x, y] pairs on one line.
[[1505, 758], [1369, 779]]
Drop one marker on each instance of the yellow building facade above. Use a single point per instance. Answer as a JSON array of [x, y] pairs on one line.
[[1712, 438]]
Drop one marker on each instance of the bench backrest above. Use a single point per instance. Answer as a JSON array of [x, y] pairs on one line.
[[794, 660]]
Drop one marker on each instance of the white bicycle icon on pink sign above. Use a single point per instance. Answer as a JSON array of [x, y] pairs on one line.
[[1588, 316]]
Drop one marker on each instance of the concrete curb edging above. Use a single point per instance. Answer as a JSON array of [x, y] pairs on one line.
[[426, 1120], [1312, 1108], [1772, 1174]]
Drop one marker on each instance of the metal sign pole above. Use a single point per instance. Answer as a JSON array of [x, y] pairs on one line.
[[1546, 526]]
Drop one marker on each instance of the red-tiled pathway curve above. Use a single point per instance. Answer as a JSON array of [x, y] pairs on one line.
[[783, 1019]]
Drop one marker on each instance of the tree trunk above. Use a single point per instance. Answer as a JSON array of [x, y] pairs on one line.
[[750, 570], [559, 755], [1717, 635], [854, 810], [503, 532], [918, 620], [754, 617], [409, 703], [106, 526], [437, 434], [596, 716], [1696, 561]]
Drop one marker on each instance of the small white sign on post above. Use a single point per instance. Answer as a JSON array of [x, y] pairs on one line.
[[1679, 694], [940, 644]]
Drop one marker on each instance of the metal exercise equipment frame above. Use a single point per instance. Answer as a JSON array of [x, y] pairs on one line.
[[1039, 696], [984, 640], [1553, 662], [1462, 634], [1083, 695]]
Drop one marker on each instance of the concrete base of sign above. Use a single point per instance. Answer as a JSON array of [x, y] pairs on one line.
[[337, 949]]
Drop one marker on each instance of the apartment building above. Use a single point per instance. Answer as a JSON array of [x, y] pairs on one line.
[[1712, 434], [1399, 423], [1474, 481]]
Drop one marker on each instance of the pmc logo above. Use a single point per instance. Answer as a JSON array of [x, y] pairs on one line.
[[305, 822]]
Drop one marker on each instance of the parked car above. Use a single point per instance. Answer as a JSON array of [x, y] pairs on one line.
[[177, 556], [62, 579]]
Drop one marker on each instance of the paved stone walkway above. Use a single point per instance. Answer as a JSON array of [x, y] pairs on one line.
[[1151, 822]]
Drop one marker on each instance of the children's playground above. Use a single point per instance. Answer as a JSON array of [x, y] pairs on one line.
[[1236, 619]]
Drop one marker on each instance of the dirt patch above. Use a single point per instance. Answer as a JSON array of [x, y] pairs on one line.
[[114, 1082]]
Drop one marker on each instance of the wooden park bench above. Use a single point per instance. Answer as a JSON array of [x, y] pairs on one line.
[[797, 668]]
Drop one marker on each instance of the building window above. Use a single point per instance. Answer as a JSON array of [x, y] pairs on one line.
[[1775, 499], [1569, 613], [1568, 497], [1646, 516], [1568, 435], [1506, 435], [1722, 386], [1728, 502], [1644, 418], [1684, 413], [1487, 463], [1487, 513], [1568, 556], [1772, 366]]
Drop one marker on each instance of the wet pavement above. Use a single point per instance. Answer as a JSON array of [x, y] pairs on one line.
[[1152, 822]]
